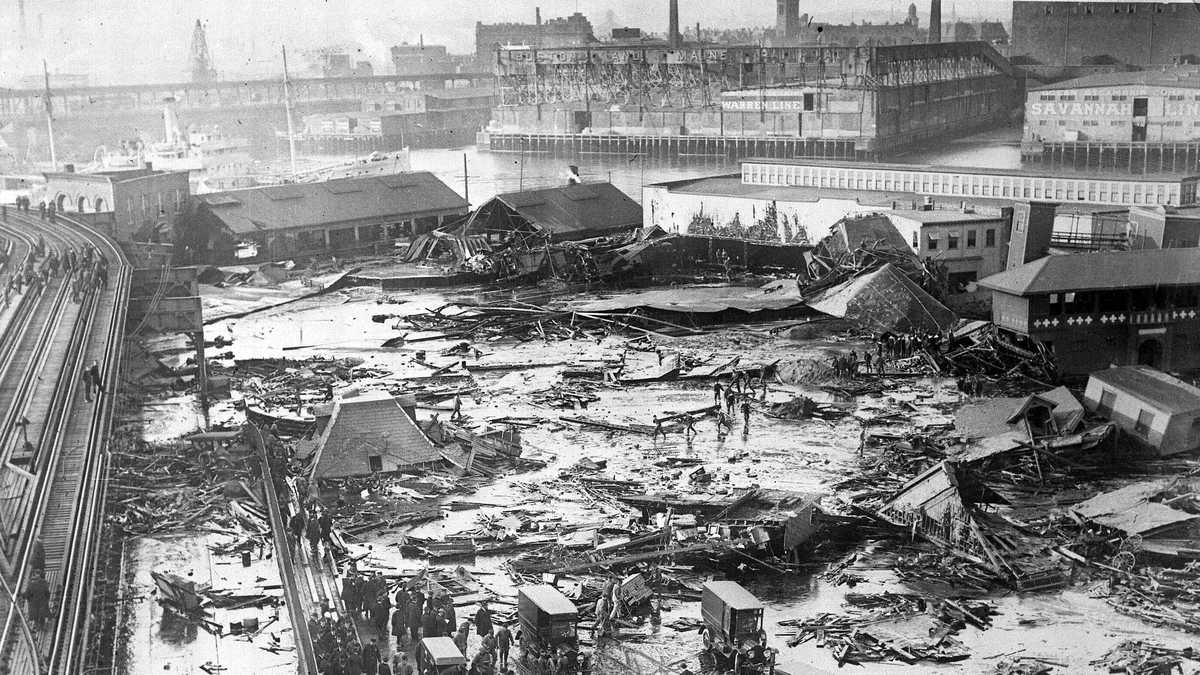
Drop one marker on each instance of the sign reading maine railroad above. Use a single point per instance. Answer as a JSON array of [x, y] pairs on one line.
[[1109, 109]]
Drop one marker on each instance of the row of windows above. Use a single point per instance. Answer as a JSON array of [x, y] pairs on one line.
[[937, 183], [932, 238], [1129, 9], [1114, 97]]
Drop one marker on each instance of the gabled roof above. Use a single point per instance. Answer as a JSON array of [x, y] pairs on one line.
[[370, 424], [1151, 386], [276, 207], [1101, 270], [576, 211], [855, 230], [885, 300]]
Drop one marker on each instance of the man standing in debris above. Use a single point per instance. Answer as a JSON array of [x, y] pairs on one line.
[[504, 643], [383, 609], [456, 414], [730, 398], [690, 423], [326, 522], [37, 595], [370, 657], [400, 625], [717, 393], [658, 429], [724, 423], [296, 525], [313, 532], [414, 618], [746, 415], [483, 620]]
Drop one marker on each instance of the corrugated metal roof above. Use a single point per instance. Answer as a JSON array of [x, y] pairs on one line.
[[1154, 387], [1130, 510], [298, 205], [1101, 270], [1186, 78], [576, 210]]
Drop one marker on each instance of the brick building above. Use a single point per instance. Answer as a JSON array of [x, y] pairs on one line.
[[971, 246], [1160, 106], [131, 205], [571, 31], [1106, 308], [1098, 33]]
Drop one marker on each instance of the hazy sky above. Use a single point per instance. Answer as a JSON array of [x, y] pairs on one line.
[[147, 40]]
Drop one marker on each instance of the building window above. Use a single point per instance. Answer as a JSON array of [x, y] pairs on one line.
[[970, 238], [1067, 97], [1092, 97], [375, 463], [1046, 97], [931, 241], [1120, 98], [809, 102], [952, 241], [1175, 97], [1144, 420], [916, 243], [989, 238]]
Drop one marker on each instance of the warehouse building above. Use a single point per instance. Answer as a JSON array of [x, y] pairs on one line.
[[1143, 120], [1123, 190], [843, 102], [305, 219]]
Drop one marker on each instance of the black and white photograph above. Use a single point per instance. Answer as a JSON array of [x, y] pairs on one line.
[[599, 337]]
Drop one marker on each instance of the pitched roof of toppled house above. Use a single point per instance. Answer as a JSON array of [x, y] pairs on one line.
[[369, 425], [871, 230], [1101, 270], [886, 301], [1165, 393], [576, 211], [1131, 510], [292, 205]]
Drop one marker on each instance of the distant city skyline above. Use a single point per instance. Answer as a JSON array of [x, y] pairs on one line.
[[133, 41]]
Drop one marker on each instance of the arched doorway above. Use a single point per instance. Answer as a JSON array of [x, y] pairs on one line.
[[1150, 353], [60, 203], [82, 205], [99, 204]]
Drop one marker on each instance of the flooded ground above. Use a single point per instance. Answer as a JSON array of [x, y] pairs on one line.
[[1067, 628]]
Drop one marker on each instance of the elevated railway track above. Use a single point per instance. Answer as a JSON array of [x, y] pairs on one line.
[[52, 444]]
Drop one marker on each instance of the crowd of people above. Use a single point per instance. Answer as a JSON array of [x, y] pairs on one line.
[[889, 348], [83, 269]]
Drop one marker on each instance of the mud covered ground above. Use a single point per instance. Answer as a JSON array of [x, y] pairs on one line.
[[1068, 628]]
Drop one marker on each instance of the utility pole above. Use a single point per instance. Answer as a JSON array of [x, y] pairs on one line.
[[49, 117], [287, 106]]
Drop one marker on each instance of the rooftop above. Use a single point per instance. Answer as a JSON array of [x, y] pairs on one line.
[[113, 176], [1187, 78], [974, 170], [1101, 270], [943, 216], [1155, 387], [573, 209], [294, 205]]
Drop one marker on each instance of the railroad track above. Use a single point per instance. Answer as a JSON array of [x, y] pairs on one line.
[[60, 491]]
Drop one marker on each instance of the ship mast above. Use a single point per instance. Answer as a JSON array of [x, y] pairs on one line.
[[287, 105], [49, 116]]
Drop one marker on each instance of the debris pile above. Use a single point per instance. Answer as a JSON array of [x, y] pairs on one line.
[[886, 627]]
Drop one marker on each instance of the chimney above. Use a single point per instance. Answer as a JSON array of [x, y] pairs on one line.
[[537, 16], [935, 21], [421, 41], [673, 37]]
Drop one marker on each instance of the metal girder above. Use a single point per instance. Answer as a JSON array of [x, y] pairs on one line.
[[175, 282]]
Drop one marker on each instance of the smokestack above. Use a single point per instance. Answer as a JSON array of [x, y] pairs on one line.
[[673, 37], [537, 16], [935, 21]]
